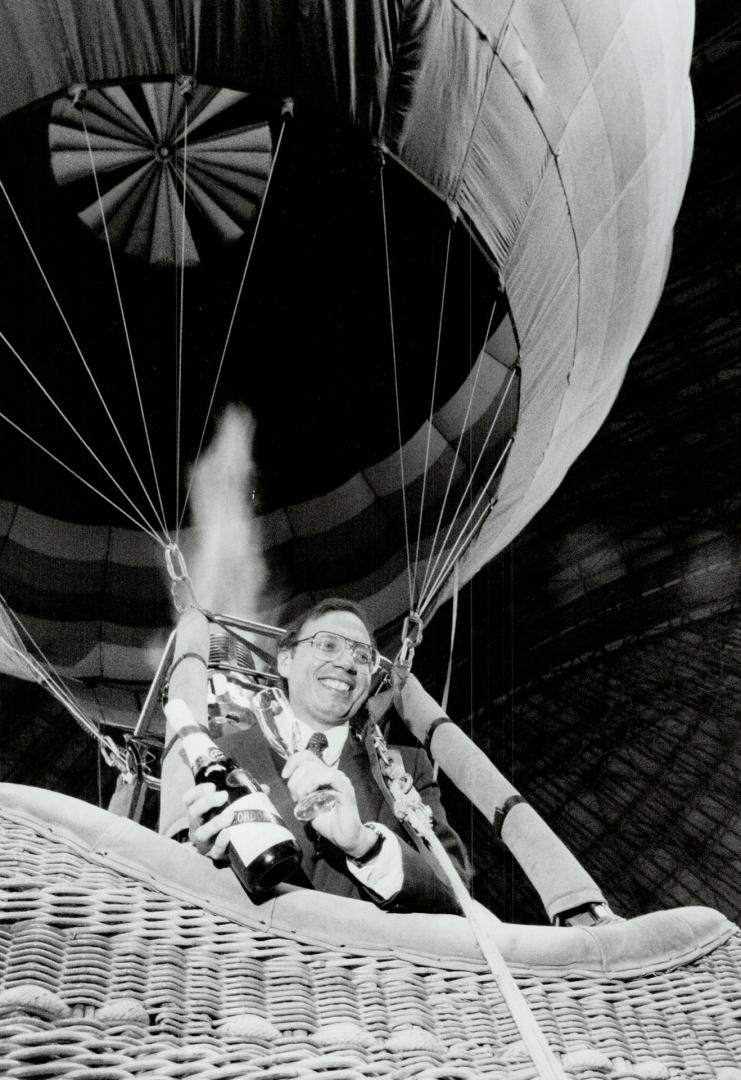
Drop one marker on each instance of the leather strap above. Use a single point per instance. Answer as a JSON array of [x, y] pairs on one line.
[[432, 729], [184, 656], [501, 812]]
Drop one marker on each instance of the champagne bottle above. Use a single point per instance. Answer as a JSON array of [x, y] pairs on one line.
[[261, 851]]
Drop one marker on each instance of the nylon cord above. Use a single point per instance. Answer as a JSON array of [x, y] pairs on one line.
[[162, 518], [451, 650], [181, 310], [462, 540], [56, 688], [232, 321], [432, 413], [59, 691], [52, 683], [84, 364], [456, 455], [25, 632], [396, 392], [146, 526], [471, 475], [48, 677]]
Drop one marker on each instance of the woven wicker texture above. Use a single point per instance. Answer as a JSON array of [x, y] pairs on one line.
[[105, 976]]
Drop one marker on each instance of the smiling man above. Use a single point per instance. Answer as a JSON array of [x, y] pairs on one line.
[[358, 848]]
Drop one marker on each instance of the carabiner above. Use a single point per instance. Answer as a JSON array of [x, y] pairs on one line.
[[175, 563], [76, 94], [411, 637]]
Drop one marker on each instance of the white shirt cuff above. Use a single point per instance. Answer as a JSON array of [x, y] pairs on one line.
[[383, 875]]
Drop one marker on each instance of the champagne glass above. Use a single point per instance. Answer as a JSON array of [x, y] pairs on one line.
[[269, 704]]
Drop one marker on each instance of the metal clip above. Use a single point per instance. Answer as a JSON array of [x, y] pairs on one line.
[[378, 151], [381, 746], [183, 596], [76, 94], [411, 637], [114, 758], [186, 85], [181, 587], [175, 563]]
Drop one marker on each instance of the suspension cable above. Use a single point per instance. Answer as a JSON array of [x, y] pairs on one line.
[[143, 523], [161, 516], [46, 675], [23, 631], [181, 309], [432, 413], [462, 539], [396, 391], [456, 454], [287, 111], [81, 356], [505, 394]]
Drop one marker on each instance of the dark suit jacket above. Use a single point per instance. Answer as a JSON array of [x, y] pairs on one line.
[[323, 865]]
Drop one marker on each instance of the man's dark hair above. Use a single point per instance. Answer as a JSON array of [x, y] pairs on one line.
[[292, 632]]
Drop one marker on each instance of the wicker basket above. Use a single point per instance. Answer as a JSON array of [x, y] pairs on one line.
[[125, 955]]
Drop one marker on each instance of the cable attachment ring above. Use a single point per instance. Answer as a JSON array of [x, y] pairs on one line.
[[77, 93], [181, 587], [411, 637], [114, 758], [186, 85], [378, 152]]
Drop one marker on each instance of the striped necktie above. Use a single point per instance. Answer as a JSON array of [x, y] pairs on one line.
[[318, 743]]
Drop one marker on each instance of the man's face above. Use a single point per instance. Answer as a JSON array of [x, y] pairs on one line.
[[325, 693]]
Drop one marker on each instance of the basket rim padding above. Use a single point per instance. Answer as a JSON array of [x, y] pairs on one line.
[[649, 943]]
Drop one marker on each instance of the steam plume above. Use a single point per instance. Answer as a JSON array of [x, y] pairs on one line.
[[225, 558]]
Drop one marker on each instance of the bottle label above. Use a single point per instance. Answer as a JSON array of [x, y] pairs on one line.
[[255, 827], [247, 817]]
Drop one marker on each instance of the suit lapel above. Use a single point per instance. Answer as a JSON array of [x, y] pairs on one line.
[[354, 763]]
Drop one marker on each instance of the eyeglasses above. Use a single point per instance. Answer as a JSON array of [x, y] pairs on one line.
[[329, 646]]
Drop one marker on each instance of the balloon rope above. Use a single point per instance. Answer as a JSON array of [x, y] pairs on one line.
[[232, 320], [52, 683], [142, 523], [432, 567], [44, 673], [181, 309], [22, 630], [451, 652], [482, 924], [456, 455], [396, 392], [161, 516], [432, 413], [59, 691], [462, 539], [82, 358]]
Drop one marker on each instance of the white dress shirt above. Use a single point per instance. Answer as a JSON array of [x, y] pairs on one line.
[[383, 874]]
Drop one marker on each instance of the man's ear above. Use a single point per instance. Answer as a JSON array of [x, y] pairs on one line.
[[283, 662]]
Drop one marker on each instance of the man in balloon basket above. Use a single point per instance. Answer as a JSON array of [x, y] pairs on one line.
[[353, 845]]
